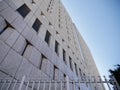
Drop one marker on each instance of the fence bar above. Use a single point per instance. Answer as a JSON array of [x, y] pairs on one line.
[[14, 85], [44, 86], [115, 86], [27, 85], [55, 85], [113, 83], [67, 83], [9, 83], [95, 80], [3, 84], [61, 85], [74, 85], [90, 81], [33, 83], [22, 82], [38, 85], [79, 84], [118, 87], [50, 85], [107, 82]]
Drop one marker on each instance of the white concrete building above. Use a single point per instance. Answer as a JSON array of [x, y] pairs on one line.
[[39, 40]]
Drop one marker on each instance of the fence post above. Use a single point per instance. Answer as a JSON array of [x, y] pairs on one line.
[[67, 83], [22, 82]]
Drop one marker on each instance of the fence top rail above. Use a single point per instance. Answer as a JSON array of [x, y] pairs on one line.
[[51, 81]]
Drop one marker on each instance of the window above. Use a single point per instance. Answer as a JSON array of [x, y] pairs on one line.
[[68, 46], [70, 61], [57, 32], [63, 40], [27, 45], [55, 73], [64, 77], [64, 56], [59, 25], [50, 24], [56, 47], [47, 9], [84, 77], [80, 72], [73, 53], [36, 25], [47, 37], [76, 69], [64, 85], [77, 58], [23, 10], [42, 14], [42, 58]]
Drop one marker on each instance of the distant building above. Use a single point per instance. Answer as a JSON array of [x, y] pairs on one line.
[[39, 40]]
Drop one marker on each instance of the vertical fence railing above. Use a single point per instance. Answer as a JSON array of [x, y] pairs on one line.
[[67, 84], [107, 83], [24, 84], [116, 84]]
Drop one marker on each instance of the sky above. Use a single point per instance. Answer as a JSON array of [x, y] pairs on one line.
[[99, 24]]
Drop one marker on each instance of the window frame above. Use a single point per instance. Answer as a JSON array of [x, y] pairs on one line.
[[36, 25], [23, 10]]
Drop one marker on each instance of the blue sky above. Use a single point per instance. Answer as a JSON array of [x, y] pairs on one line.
[[99, 23]]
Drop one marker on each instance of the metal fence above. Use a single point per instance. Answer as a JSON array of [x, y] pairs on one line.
[[32, 84]]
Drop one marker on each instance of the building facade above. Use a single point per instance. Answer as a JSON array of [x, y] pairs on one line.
[[39, 40]]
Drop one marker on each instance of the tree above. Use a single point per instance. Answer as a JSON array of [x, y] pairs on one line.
[[115, 73]]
